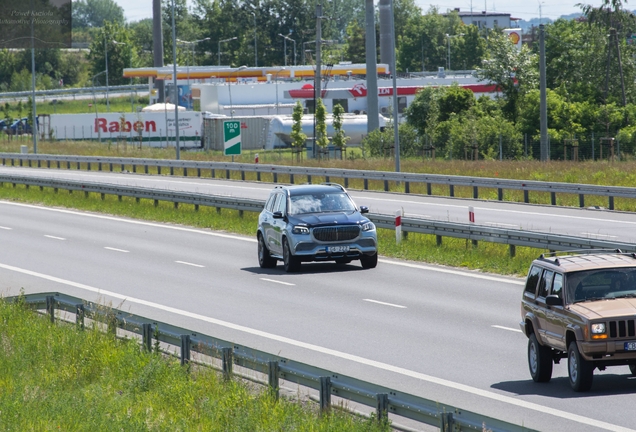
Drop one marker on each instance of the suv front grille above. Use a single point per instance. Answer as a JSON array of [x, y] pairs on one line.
[[622, 328], [337, 233]]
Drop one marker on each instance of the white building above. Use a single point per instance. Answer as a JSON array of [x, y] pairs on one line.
[[487, 20]]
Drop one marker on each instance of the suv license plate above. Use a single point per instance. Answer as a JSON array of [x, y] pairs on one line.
[[336, 249], [630, 346]]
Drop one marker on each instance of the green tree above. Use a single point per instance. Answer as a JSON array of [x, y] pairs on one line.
[[93, 13], [454, 100], [356, 43], [322, 140], [297, 135], [339, 137], [117, 42], [514, 71]]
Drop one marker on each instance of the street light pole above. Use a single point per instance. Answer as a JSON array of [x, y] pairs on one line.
[[106, 62], [230, 88], [132, 105], [188, 64], [290, 39], [255, 42], [219, 49], [174, 81], [276, 80], [284, 47], [448, 38]]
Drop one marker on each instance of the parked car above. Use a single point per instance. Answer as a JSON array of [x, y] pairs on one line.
[[305, 223], [3, 125], [581, 307], [20, 126]]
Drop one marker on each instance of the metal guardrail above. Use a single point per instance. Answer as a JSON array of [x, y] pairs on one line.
[[101, 89], [405, 179], [474, 232], [328, 383]]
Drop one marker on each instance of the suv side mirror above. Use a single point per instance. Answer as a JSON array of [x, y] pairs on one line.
[[277, 215], [553, 300], [364, 209]]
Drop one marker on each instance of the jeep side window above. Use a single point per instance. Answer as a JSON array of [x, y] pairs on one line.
[[276, 202], [533, 279], [557, 285], [281, 203], [546, 283]]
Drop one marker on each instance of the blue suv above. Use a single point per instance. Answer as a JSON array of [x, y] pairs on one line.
[[305, 223]]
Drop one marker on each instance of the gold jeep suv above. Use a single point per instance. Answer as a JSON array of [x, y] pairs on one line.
[[580, 306]]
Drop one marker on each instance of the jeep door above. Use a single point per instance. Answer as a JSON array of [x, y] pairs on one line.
[[545, 284], [556, 320]]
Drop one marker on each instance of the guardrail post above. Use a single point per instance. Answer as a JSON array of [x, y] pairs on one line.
[[158, 170], [275, 177], [196, 207], [99, 166], [103, 196], [273, 374], [50, 307], [429, 189], [146, 334], [110, 167], [526, 197], [446, 422], [134, 167], [85, 194], [176, 205], [185, 172], [258, 176], [185, 349], [438, 240], [198, 172], [227, 174], [346, 181], [500, 194], [171, 171], [20, 162], [145, 169], [228, 360], [451, 189], [553, 198], [29, 163], [382, 407], [475, 192], [291, 178], [581, 200], [39, 163], [79, 166], [242, 175], [308, 179], [218, 210], [326, 179], [212, 173], [123, 167], [512, 250], [88, 167], [68, 165], [58, 165], [156, 203], [240, 213], [12, 162], [366, 184], [407, 187], [119, 197], [386, 185], [137, 200], [48, 164], [611, 203], [79, 315], [325, 394]]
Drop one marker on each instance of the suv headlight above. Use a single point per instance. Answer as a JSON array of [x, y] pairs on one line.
[[300, 229], [598, 331], [368, 226]]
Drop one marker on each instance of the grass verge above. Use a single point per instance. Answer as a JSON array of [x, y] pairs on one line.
[[487, 257], [58, 377]]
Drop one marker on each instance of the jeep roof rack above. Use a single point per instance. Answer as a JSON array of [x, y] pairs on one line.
[[338, 185]]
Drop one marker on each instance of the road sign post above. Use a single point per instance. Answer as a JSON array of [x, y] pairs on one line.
[[231, 138]]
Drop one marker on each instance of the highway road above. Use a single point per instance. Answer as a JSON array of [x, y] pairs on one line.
[[436, 332], [589, 223]]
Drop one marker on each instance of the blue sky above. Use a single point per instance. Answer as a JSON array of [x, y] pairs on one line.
[[135, 10]]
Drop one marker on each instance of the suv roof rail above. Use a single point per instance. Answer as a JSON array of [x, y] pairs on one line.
[[338, 185], [581, 252]]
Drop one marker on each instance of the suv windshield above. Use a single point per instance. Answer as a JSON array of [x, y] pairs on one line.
[[601, 284], [322, 202]]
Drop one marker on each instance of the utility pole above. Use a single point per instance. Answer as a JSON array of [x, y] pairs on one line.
[[543, 117], [157, 45], [373, 122], [620, 64], [396, 114], [317, 77]]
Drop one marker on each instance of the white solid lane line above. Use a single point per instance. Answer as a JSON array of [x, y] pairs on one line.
[[5, 228], [507, 328], [543, 410], [278, 282], [54, 237], [189, 264], [384, 303], [115, 249]]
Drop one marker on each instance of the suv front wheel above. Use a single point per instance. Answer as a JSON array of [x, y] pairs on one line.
[[581, 371], [369, 261], [290, 262], [539, 360]]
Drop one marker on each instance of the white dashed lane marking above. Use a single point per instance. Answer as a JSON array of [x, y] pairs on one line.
[[278, 282], [115, 249], [385, 304], [54, 237], [189, 264], [507, 328]]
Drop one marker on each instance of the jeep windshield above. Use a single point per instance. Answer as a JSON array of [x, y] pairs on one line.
[[321, 203], [601, 284]]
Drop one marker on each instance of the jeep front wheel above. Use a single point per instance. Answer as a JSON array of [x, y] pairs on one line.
[[539, 360], [581, 371]]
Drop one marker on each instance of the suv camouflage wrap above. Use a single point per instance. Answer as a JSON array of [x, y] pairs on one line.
[[581, 307]]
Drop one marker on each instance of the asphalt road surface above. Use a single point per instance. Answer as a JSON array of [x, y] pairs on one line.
[[436, 332]]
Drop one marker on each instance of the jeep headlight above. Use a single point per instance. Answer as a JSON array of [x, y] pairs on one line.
[[368, 226], [300, 229], [598, 331]]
